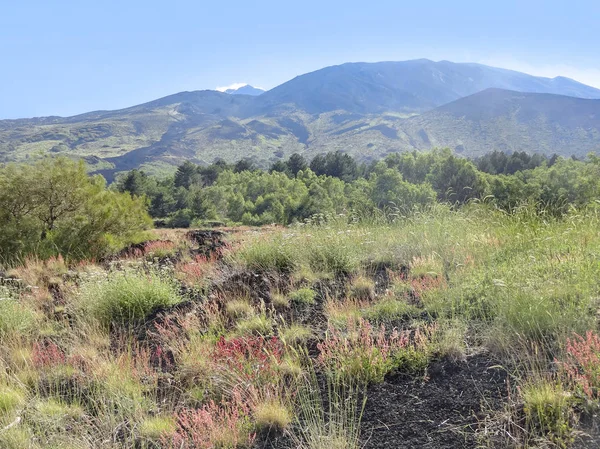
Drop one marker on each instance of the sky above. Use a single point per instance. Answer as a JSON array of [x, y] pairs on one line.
[[64, 57]]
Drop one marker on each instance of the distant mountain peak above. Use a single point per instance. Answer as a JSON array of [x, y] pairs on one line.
[[241, 89]]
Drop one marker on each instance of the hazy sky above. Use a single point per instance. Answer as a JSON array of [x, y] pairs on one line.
[[62, 57]]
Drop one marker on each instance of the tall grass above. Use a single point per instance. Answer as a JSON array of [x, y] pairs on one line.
[[126, 298]]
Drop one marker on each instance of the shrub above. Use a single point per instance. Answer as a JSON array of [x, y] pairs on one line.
[[54, 207], [127, 298]]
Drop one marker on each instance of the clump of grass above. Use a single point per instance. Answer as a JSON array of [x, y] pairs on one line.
[[340, 314], [268, 254], [389, 310], [303, 296], [11, 399], [239, 308], [362, 288], [295, 334], [157, 427], [16, 319], [449, 341], [127, 298], [271, 415], [17, 437], [548, 411], [332, 256], [331, 421], [259, 324], [279, 300]]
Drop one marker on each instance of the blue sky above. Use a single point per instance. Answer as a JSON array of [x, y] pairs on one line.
[[64, 57]]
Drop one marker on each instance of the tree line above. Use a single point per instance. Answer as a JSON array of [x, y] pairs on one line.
[[296, 189]]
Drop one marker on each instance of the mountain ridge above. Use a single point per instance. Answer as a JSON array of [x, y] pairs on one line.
[[366, 109]]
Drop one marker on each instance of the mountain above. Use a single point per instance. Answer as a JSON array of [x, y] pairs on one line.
[[405, 87], [368, 110], [245, 90]]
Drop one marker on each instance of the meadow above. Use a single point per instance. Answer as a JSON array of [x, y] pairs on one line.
[[450, 327]]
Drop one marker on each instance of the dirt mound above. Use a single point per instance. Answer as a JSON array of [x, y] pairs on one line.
[[210, 242], [442, 412]]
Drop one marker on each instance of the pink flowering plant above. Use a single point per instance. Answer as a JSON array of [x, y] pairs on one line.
[[223, 426], [582, 364], [367, 354]]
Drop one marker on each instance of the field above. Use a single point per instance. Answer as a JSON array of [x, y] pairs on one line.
[[462, 328]]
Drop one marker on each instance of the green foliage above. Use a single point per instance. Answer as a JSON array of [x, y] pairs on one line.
[[53, 207], [126, 298], [547, 408], [303, 296], [16, 320]]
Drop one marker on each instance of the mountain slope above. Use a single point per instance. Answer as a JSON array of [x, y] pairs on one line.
[[497, 119], [408, 86], [368, 110]]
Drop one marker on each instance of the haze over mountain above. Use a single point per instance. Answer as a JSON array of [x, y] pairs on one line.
[[367, 109]]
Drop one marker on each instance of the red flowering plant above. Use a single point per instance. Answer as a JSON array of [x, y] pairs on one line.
[[582, 364], [368, 354], [47, 355]]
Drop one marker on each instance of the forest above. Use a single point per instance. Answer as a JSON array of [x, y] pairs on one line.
[[296, 190]]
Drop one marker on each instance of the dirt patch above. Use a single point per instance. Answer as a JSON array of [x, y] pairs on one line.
[[210, 243], [442, 412]]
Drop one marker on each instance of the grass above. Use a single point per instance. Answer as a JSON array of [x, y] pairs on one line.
[[302, 296], [271, 415], [94, 365], [17, 320], [127, 298], [330, 420]]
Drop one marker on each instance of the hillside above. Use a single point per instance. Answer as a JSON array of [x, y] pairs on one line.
[[366, 109]]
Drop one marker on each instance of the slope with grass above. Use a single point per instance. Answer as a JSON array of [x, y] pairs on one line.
[[450, 328]]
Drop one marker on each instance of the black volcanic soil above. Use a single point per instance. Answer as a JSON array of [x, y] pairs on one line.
[[442, 412]]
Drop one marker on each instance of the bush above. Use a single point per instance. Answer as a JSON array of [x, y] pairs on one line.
[[53, 207], [127, 298]]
